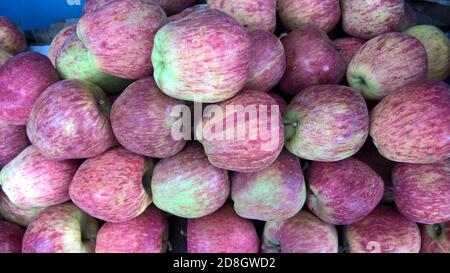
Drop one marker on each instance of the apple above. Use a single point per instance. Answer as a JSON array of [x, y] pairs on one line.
[[342, 192], [187, 12], [386, 63], [302, 233], [259, 14], [10, 237], [408, 19], [322, 13], [16, 214], [242, 134], [348, 47], [187, 185], [31, 180], [4, 56], [383, 231], [422, 191], [13, 140], [73, 62], [141, 120], [210, 68], [268, 61], [62, 228], [311, 59], [70, 120], [326, 123], [12, 39], [437, 45], [119, 36], [113, 186], [59, 40], [280, 101], [435, 238], [22, 79], [275, 193], [222, 232], [147, 233], [370, 18], [411, 125]]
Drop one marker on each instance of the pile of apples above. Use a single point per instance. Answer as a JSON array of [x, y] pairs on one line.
[[356, 158]]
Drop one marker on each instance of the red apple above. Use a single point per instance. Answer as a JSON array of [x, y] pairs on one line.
[[30, 180], [326, 123], [4, 56], [10, 237], [17, 214], [383, 231], [408, 19], [280, 101], [322, 13], [303, 233], [187, 12], [210, 68], [13, 140], [119, 36], [311, 59], [369, 18], [244, 133], [259, 14], [348, 47], [275, 193], [141, 120], [268, 61], [222, 232], [386, 63], [422, 191], [70, 120], [146, 233], [411, 125], [435, 238], [12, 39], [113, 186], [342, 192], [61, 229], [58, 42], [22, 79]]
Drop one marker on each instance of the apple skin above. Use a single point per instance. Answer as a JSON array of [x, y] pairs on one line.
[[12, 39], [342, 192], [243, 154], [386, 63], [435, 238], [348, 47], [370, 18], [141, 120], [146, 233], [422, 191], [187, 12], [222, 232], [411, 125], [275, 193], [83, 129], [73, 62], [311, 58], [259, 14], [13, 140], [62, 228], [169, 6], [113, 186], [15, 214], [59, 40], [437, 45], [119, 36], [302, 233], [268, 61], [22, 79], [31, 180], [332, 123], [210, 68], [10, 237], [280, 101], [4, 56], [383, 231], [408, 19], [187, 185], [322, 13]]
